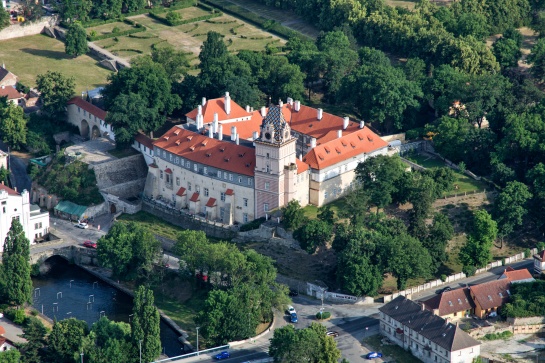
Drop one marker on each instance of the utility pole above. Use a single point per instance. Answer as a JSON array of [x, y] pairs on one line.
[[81, 356], [140, 345], [197, 340]]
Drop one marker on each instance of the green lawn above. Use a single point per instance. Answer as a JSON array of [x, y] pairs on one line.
[[108, 28], [311, 211], [392, 353], [29, 56], [154, 224]]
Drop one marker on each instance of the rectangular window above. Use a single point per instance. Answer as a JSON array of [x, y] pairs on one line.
[[170, 157], [326, 195], [245, 202], [177, 181], [250, 181], [225, 175], [195, 167], [182, 162], [145, 149], [161, 174], [40, 225], [267, 185], [177, 160], [35, 225], [265, 207], [84, 113], [245, 218], [164, 154], [222, 196], [205, 170], [230, 177], [189, 186], [219, 174], [188, 165], [79, 110], [168, 178], [206, 192], [240, 180], [197, 189]]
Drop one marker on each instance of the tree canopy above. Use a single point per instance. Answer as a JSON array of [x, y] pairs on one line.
[[16, 265]]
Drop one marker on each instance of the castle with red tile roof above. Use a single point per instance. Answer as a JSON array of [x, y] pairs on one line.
[[235, 164]]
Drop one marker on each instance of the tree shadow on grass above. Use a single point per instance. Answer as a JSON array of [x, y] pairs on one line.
[[52, 54]]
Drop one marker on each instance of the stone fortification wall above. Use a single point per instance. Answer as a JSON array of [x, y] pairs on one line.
[[23, 30], [120, 171]]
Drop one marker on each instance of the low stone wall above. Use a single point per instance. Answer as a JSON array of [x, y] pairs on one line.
[[25, 29], [97, 210], [261, 234], [478, 333], [526, 321], [188, 222]]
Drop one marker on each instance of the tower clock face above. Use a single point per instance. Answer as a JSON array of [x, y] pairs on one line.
[[268, 135]]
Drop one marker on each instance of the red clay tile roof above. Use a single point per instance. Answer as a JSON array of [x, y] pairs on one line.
[[306, 121], [359, 142], [516, 275], [10, 92], [245, 129], [153, 165], [8, 190], [2, 330], [301, 166], [202, 149], [194, 197], [450, 302], [217, 105], [491, 294], [181, 192], [211, 202], [89, 107], [144, 140], [168, 170], [229, 192]]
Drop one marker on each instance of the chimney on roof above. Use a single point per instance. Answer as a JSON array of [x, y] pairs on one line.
[[220, 132], [15, 188], [227, 103], [290, 101], [312, 142], [255, 135], [199, 110], [204, 101], [233, 133], [280, 103], [5, 87], [82, 94], [151, 134], [237, 140], [362, 124], [210, 131], [297, 106], [2, 182], [215, 122], [263, 111], [248, 108], [3, 65], [345, 122], [200, 121], [301, 157], [339, 134], [320, 113]]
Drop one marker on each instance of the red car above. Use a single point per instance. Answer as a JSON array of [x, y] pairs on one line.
[[90, 244]]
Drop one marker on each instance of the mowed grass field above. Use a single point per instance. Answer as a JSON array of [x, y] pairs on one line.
[[29, 56], [187, 37]]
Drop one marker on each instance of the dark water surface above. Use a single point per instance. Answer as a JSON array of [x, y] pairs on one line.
[[68, 291]]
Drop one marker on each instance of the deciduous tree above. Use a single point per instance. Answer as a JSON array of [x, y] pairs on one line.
[[56, 91], [507, 52], [510, 206], [4, 19], [13, 124], [293, 215], [66, 339], [537, 60], [76, 40], [145, 324], [10, 356], [313, 234], [16, 265]]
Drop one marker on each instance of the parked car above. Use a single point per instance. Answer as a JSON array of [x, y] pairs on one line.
[[89, 244], [293, 318], [222, 355], [373, 355], [291, 310], [82, 225], [293, 293], [333, 334]]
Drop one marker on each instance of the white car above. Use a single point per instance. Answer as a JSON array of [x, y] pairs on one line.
[[291, 310], [82, 225]]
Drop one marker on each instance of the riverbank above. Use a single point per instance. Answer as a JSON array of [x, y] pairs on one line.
[[104, 275]]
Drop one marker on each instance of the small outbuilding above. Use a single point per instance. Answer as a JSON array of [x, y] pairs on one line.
[[69, 210]]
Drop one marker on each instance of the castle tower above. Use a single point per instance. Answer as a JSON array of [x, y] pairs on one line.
[[275, 163]]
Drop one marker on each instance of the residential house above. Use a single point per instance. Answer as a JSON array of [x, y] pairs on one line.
[[89, 119], [5, 343], [14, 96], [516, 276], [451, 305], [490, 296], [427, 336], [539, 262], [7, 78], [17, 205]]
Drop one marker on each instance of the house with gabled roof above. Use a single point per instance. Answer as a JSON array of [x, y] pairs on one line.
[[427, 336], [7, 78], [89, 119], [490, 296], [452, 305], [516, 276], [12, 95], [539, 262]]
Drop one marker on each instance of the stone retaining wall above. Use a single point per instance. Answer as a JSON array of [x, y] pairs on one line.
[[25, 29]]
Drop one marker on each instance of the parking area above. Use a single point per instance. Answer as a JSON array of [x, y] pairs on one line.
[[92, 151]]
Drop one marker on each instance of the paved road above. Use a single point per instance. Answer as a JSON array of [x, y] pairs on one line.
[[490, 275], [20, 178]]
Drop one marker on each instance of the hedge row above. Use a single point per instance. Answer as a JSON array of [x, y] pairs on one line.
[[187, 21], [137, 29], [268, 25]]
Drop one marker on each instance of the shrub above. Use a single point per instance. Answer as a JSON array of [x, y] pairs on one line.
[[324, 315], [93, 33], [443, 277], [469, 270], [540, 246], [173, 17], [252, 225], [18, 316], [527, 253], [115, 30], [22, 88], [35, 270], [495, 336], [414, 133]]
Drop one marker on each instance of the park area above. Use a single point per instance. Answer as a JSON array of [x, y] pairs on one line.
[[186, 37], [30, 56]]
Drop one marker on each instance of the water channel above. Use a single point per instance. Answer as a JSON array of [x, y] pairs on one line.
[[68, 291]]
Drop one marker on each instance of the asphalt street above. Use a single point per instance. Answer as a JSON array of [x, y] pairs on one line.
[[20, 178]]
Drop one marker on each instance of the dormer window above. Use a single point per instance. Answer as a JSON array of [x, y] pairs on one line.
[[166, 138]]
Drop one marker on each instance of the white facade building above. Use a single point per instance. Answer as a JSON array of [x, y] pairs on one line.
[[429, 337], [17, 205], [89, 119]]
